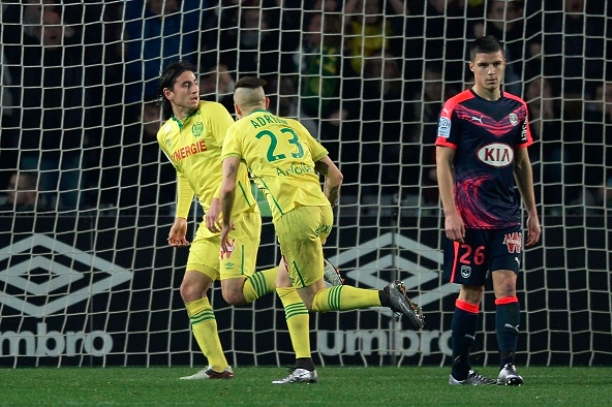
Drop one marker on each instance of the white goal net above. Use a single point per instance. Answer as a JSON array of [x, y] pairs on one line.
[[87, 199]]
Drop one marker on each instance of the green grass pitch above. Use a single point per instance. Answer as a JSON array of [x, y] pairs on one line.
[[338, 386]]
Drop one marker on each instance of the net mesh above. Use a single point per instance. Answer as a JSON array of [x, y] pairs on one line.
[[86, 273]]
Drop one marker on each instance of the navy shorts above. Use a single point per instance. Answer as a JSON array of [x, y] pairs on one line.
[[483, 250]]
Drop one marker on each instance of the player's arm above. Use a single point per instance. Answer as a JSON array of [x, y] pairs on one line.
[[323, 165], [184, 195], [453, 224], [523, 175], [333, 178], [212, 215], [178, 231], [227, 197], [222, 122]]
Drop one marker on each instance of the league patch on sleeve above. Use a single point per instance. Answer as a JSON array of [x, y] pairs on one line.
[[444, 127]]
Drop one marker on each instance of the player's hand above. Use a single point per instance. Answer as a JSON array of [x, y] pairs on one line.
[[454, 227], [534, 230], [178, 231], [212, 216], [227, 246]]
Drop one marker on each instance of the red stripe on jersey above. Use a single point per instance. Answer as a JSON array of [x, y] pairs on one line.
[[447, 112], [451, 104], [514, 97], [441, 142], [454, 101]]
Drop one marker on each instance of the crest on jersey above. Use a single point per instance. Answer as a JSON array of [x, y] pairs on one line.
[[466, 271], [513, 119], [197, 129], [168, 142]]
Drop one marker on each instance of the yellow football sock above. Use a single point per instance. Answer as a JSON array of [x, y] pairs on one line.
[[259, 284], [204, 328], [297, 318], [344, 298]]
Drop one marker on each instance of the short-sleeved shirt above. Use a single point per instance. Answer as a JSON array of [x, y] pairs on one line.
[[194, 148], [280, 155], [485, 135]]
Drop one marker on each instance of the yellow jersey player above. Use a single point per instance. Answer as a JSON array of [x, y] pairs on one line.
[[192, 139], [285, 160]]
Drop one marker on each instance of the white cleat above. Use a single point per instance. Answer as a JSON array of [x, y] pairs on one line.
[[209, 374], [299, 376], [473, 379], [509, 377]]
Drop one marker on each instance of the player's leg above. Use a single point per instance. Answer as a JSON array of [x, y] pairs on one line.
[[297, 318], [331, 273], [464, 325], [320, 298], [505, 262], [202, 266], [240, 284], [465, 264], [243, 285], [300, 234]]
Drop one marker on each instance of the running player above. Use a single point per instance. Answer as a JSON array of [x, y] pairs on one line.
[[285, 160]]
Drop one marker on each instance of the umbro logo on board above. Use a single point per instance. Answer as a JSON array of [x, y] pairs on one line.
[[62, 282]]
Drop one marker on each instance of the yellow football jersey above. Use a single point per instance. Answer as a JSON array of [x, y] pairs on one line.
[[280, 155], [194, 147]]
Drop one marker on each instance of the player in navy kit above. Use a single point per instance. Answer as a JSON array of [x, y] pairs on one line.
[[481, 149]]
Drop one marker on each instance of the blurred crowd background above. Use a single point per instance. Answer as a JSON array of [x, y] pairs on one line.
[[366, 77]]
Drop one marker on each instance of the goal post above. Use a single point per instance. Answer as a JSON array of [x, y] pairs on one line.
[[87, 198]]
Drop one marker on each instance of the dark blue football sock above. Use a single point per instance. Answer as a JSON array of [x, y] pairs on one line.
[[507, 321], [464, 324]]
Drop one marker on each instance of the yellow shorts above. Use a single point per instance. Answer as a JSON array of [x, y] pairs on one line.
[[205, 251], [300, 233]]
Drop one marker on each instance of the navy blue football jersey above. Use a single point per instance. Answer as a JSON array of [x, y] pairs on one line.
[[485, 135]]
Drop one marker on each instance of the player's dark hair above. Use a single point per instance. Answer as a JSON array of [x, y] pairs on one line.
[[250, 82], [485, 45], [167, 80]]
